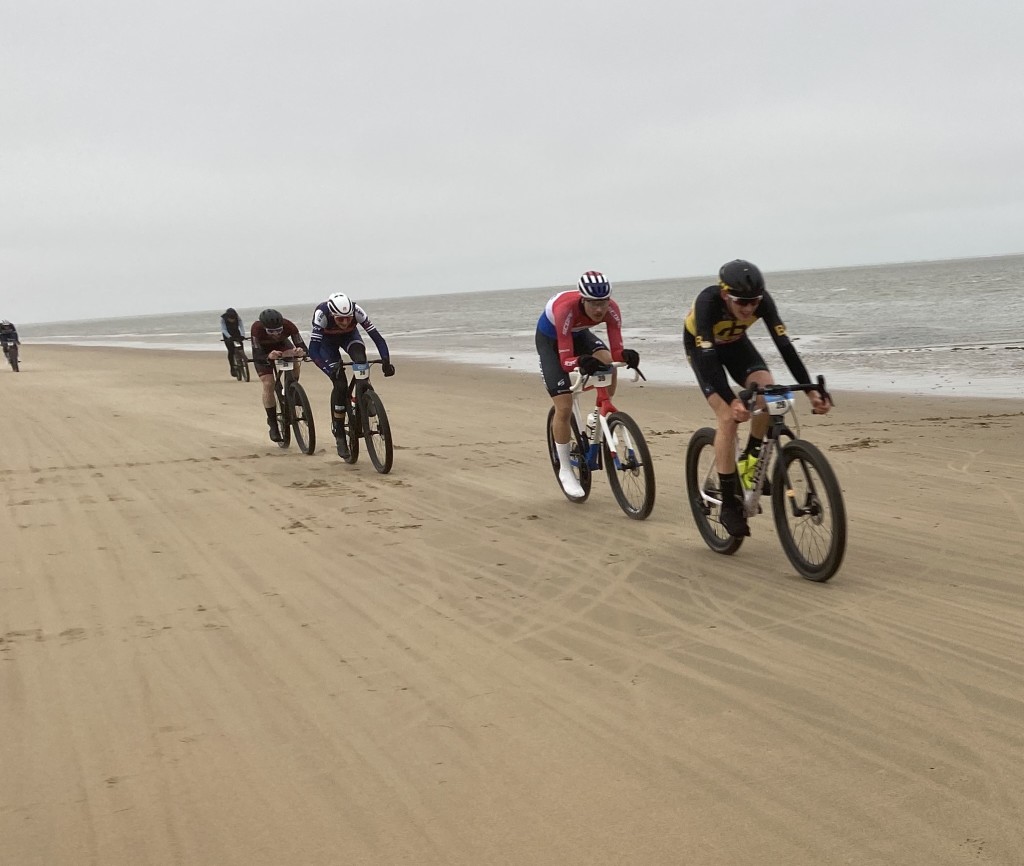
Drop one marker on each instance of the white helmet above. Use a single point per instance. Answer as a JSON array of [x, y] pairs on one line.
[[340, 305]]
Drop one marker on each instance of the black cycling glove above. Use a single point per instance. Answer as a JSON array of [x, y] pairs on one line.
[[388, 368], [631, 358], [588, 365]]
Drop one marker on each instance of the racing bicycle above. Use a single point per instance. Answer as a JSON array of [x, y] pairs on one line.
[[239, 363], [807, 502], [365, 417], [11, 351], [608, 438], [293, 410]]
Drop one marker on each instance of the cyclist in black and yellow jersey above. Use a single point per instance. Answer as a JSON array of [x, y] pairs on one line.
[[717, 343]]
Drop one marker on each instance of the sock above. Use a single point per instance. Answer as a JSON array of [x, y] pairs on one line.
[[563, 455], [271, 415], [730, 484]]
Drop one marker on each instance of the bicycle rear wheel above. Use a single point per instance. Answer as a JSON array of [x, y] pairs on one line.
[[704, 494], [810, 516], [377, 433], [627, 459], [13, 358], [577, 458], [302, 418]]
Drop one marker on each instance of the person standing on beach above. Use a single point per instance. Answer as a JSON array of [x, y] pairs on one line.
[[716, 342], [273, 336], [335, 329], [565, 343], [231, 332]]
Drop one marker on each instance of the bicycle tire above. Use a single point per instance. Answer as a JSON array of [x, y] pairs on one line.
[[577, 457], [284, 421], [377, 433], [809, 512], [702, 477], [13, 358], [630, 471], [351, 431], [244, 370], [302, 418]]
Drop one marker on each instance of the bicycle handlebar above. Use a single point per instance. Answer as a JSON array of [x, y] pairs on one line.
[[578, 381], [749, 395], [367, 361]]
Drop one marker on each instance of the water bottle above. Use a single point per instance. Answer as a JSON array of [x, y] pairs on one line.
[[591, 425]]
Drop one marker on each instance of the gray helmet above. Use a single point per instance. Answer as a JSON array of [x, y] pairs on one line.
[[271, 319]]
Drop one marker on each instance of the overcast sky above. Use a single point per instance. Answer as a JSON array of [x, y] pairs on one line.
[[165, 156]]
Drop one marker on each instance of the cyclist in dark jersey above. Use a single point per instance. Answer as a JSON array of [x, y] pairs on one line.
[[8, 335], [273, 336], [230, 331], [716, 343]]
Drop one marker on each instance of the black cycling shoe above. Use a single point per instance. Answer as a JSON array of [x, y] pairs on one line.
[[275, 434], [734, 521], [342, 443]]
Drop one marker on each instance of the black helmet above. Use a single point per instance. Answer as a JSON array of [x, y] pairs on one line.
[[741, 278], [271, 319], [230, 313]]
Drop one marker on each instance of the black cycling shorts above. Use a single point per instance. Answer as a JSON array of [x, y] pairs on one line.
[[556, 380], [740, 359]]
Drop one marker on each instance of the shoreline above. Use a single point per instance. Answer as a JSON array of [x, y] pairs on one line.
[[942, 384]]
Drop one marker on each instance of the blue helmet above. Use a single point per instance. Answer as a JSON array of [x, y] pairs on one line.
[[594, 286]]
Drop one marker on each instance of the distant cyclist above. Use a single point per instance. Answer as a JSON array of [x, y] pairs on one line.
[[716, 342], [8, 335], [565, 342], [273, 336], [231, 328], [335, 323]]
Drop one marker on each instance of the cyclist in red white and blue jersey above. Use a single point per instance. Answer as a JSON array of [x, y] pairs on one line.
[[566, 343], [335, 329]]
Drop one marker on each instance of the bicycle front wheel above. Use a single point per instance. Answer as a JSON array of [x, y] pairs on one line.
[[377, 433], [284, 421], [807, 504], [13, 358], [353, 429], [243, 370], [302, 418], [704, 493], [577, 458], [627, 460]]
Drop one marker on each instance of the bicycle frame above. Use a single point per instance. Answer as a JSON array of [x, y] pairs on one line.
[[600, 382], [778, 403], [284, 373]]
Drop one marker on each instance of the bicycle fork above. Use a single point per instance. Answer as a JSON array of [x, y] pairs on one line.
[[601, 433]]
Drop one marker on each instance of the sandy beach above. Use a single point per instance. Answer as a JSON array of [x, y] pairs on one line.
[[213, 651]]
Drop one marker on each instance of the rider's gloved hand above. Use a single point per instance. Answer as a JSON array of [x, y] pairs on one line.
[[388, 368], [333, 370], [631, 358], [588, 365]]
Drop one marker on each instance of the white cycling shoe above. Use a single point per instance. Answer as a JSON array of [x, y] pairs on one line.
[[570, 484]]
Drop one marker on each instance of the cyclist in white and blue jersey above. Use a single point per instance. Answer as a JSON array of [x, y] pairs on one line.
[[335, 330]]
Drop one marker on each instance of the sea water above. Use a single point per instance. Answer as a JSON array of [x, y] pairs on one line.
[[952, 327]]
